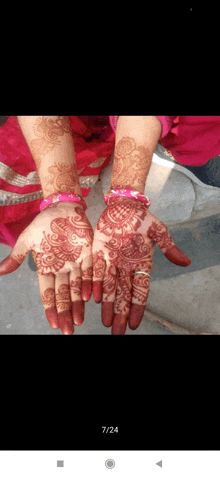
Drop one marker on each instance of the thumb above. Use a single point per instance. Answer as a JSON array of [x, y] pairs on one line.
[[16, 257], [159, 233], [175, 255]]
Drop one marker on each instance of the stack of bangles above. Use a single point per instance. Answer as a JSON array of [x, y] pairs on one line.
[[111, 194], [133, 194]]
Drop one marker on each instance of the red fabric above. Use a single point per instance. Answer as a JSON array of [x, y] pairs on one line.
[[192, 140], [93, 138]]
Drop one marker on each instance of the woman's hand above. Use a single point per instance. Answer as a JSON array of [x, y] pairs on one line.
[[60, 239], [124, 242]]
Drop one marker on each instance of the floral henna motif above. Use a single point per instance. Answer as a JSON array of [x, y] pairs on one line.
[[63, 299], [65, 178], [130, 164], [141, 288], [48, 298], [121, 217], [76, 285], [124, 295], [109, 282], [159, 235], [48, 132], [63, 245], [87, 274], [98, 264]]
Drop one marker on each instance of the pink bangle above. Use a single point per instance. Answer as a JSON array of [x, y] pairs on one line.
[[62, 198], [128, 193]]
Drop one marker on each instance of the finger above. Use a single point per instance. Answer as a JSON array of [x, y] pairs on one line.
[[78, 305], [64, 304], [140, 293], [123, 303], [87, 274], [16, 257], [47, 291], [175, 255], [99, 267], [160, 235], [109, 295]]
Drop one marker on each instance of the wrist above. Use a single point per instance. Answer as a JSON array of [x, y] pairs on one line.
[[47, 192], [139, 188], [67, 198]]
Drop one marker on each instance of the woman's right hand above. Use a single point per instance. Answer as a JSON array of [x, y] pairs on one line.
[[60, 239]]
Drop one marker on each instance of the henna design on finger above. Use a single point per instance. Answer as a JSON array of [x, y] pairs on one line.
[[63, 245], [159, 235], [48, 298], [141, 288], [109, 282], [63, 298], [76, 286], [9, 265], [18, 257], [98, 264], [48, 132], [87, 274], [124, 294]]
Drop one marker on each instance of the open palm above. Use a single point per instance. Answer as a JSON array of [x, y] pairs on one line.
[[124, 242], [60, 239]]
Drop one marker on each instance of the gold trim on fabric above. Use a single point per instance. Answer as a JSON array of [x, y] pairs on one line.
[[98, 162], [13, 178], [88, 181], [11, 198]]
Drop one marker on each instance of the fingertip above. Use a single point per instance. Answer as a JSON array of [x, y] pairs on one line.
[[107, 313], [176, 256], [97, 290], [8, 265], [52, 318], [86, 292]]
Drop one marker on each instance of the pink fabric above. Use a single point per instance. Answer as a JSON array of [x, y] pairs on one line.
[[192, 140], [166, 122], [93, 139]]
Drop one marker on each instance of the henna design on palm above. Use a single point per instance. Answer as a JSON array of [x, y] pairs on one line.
[[63, 245]]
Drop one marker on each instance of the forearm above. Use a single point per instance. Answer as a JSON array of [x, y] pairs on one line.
[[51, 144], [136, 140]]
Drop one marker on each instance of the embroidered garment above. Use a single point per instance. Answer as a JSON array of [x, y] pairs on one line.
[[192, 140], [20, 187]]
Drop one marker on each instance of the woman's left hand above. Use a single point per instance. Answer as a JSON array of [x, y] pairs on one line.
[[124, 241]]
